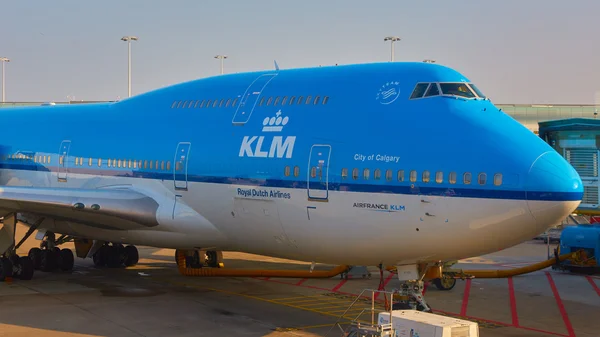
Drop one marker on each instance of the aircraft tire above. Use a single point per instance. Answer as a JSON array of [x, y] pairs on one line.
[[445, 284], [48, 260], [212, 259], [26, 268], [35, 254], [99, 257], [113, 257], [131, 256], [67, 260], [6, 268]]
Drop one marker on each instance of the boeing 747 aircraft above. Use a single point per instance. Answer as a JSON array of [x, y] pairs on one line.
[[368, 164]]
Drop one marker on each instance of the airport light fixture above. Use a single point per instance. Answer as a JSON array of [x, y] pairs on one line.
[[3, 60], [128, 39], [221, 57], [392, 39]]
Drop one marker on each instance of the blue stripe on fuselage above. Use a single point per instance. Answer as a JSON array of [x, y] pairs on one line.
[[458, 192]]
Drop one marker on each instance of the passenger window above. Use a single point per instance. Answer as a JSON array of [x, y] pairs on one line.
[[196, 105], [300, 99], [191, 103], [140, 164], [377, 174], [215, 103], [452, 178], [292, 99], [152, 165], [221, 103], [119, 163], [145, 164], [425, 176], [277, 100], [296, 171], [202, 104], [366, 174], [169, 165], [173, 105], [284, 100], [388, 175], [135, 164], [177, 166], [108, 163], [355, 173], [269, 100], [208, 103], [234, 102], [60, 160], [129, 163], [48, 160], [179, 104], [90, 162], [413, 176], [467, 178], [344, 173], [325, 99], [308, 98], [317, 99], [313, 172], [401, 175], [419, 90], [262, 101], [482, 178], [114, 163], [432, 91], [227, 103], [286, 171], [439, 177], [99, 162], [498, 179], [162, 164]]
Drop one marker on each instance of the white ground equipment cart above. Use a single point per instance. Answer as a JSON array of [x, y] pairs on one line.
[[412, 323], [374, 319]]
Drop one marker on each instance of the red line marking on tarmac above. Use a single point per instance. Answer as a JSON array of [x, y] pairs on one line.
[[465, 301], [336, 288], [425, 288], [439, 311], [513, 302], [385, 282], [594, 285], [561, 307], [300, 282]]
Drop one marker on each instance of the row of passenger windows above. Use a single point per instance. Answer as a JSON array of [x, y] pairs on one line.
[[275, 101], [425, 176], [162, 165], [413, 175]]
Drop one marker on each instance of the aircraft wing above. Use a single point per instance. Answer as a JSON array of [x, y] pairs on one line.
[[110, 208]]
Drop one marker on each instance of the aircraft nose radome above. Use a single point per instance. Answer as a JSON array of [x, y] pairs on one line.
[[553, 188]]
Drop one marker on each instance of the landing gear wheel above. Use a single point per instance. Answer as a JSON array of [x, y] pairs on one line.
[[131, 256], [445, 283], [25, 268], [113, 256], [6, 268], [100, 257], [35, 254], [211, 259], [48, 260], [67, 260]]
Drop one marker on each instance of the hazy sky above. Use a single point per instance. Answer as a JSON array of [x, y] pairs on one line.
[[516, 51]]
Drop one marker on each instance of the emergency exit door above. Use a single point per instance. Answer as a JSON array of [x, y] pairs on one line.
[[180, 169], [249, 99], [318, 172], [63, 160]]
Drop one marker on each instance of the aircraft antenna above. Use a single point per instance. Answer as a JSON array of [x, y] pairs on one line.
[[276, 65]]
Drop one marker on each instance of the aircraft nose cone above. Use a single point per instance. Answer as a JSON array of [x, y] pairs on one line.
[[554, 190]]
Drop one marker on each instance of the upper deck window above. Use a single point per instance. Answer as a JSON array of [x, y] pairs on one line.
[[457, 89], [419, 90]]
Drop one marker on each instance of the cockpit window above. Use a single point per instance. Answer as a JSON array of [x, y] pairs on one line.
[[433, 90], [477, 91], [419, 90], [457, 89]]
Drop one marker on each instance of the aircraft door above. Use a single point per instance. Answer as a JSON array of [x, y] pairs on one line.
[[318, 172], [63, 159], [249, 99], [180, 169]]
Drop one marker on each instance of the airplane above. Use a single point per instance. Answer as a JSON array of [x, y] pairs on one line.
[[395, 163]]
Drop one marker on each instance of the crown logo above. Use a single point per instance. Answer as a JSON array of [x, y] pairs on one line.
[[276, 123]]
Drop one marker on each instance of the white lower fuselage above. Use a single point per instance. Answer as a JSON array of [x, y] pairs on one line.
[[221, 216]]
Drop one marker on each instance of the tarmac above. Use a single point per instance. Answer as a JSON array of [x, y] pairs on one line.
[[153, 299]]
